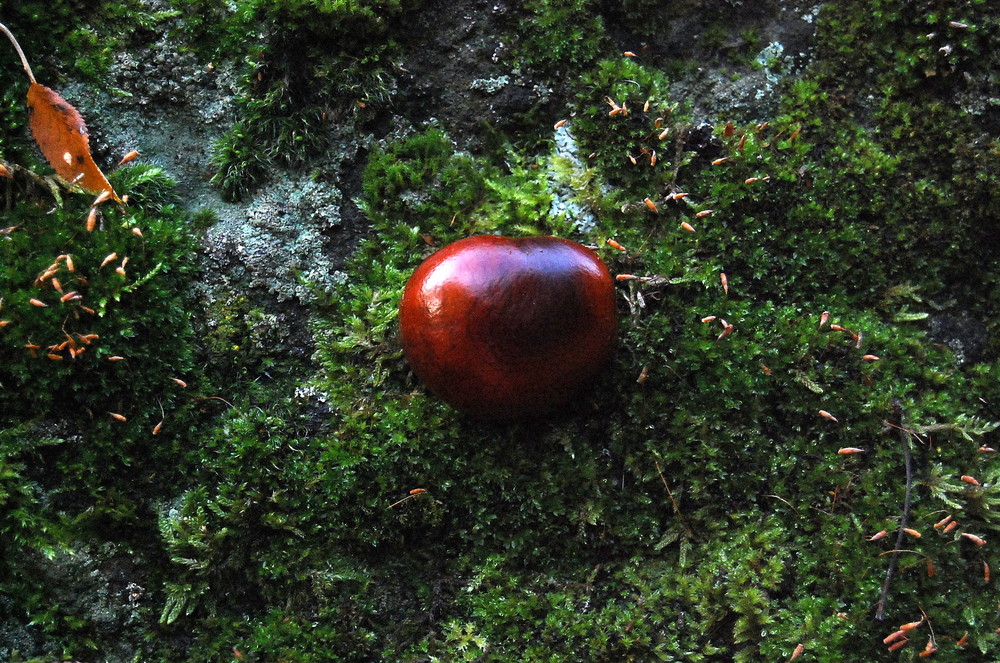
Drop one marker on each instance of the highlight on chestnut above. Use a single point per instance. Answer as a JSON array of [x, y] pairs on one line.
[[506, 328]]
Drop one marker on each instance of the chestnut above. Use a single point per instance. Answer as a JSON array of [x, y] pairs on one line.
[[504, 328]]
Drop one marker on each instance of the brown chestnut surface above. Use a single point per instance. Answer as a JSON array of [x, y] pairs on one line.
[[503, 327]]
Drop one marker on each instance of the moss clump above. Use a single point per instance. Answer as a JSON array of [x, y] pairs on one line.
[[558, 37], [355, 20], [135, 312], [326, 66], [691, 506], [91, 414]]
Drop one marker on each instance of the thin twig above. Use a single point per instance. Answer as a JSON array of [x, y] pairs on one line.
[[670, 494], [904, 439], [17, 47]]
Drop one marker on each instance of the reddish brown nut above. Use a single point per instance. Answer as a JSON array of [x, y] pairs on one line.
[[503, 328]]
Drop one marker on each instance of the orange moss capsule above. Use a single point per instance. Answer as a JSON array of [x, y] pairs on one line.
[[157, 427], [827, 415], [898, 645], [799, 648], [129, 157], [615, 245], [724, 280], [944, 521], [38, 303], [116, 358], [963, 641], [181, 383], [911, 625], [979, 541], [102, 197], [726, 331], [45, 276], [108, 258], [708, 318], [952, 525], [893, 637], [915, 534], [91, 220], [986, 571], [881, 534], [850, 450], [651, 205], [687, 226], [871, 358], [986, 450], [703, 213], [968, 479], [663, 134], [721, 161], [55, 357], [418, 491], [118, 417]]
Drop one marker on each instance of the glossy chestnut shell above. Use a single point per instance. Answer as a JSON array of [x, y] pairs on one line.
[[504, 328]]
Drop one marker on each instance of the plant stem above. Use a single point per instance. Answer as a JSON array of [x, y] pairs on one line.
[[670, 494], [17, 47], [904, 438]]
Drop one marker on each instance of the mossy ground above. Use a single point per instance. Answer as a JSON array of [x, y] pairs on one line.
[[691, 506]]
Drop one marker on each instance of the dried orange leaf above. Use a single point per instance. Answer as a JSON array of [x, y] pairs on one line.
[[62, 136], [60, 132]]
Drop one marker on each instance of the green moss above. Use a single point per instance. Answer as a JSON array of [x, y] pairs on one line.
[[132, 314], [296, 95], [701, 512], [558, 37], [356, 20], [326, 65]]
